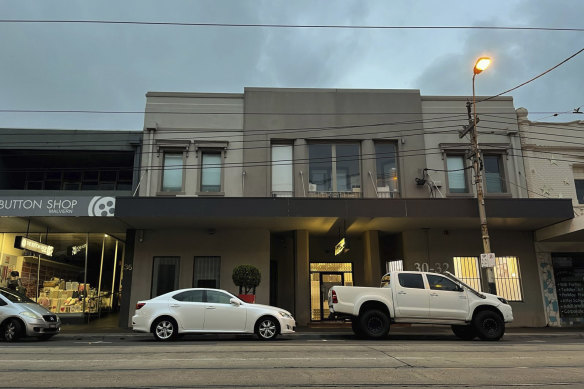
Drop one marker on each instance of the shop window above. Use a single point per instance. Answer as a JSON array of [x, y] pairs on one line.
[[495, 181], [569, 283], [323, 276], [508, 278], [467, 270], [386, 170], [282, 182], [207, 272], [457, 174], [211, 171], [164, 275], [334, 170], [411, 280], [172, 173]]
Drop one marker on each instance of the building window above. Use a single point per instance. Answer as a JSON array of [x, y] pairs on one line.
[[172, 173], [467, 270], [579, 183], [457, 175], [508, 278], [165, 273], [494, 174], [282, 171], [334, 169], [386, 170], [397, 265], [211, 171], [207, 272]]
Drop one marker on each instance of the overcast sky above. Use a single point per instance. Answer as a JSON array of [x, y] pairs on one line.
[[111, 67]]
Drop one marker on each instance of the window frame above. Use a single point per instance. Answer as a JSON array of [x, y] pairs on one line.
[[171, 151], [502, 174], [201, 151], [397, 191], [281, 164], [333, 164], [467, 175]]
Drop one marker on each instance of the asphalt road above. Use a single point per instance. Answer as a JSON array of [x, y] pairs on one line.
[[319, 361]]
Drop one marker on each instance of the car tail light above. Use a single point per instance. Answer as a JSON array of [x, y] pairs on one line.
[[139, 305], [334, 296]]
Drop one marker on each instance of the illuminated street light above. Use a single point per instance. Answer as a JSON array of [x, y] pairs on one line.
[[481, 64]]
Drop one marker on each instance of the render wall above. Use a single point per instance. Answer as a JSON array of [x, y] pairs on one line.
[[189, 123], [437, 246], [498, 132], [235, 247], [299, 116]]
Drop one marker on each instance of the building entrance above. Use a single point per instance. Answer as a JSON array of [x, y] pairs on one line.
[[324, 276]]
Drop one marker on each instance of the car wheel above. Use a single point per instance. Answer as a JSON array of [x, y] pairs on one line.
[[46, 336], [464, 332], [374, 324], [12, 330], [267, 328], [489, 325], [165, 328]]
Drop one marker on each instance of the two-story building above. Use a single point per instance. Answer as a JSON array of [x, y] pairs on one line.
[[278, 177], [554, 165], [60, 241]]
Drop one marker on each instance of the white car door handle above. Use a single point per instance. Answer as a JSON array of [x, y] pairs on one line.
[[211, 307], [401, 293], [174, 305], [434, 294]]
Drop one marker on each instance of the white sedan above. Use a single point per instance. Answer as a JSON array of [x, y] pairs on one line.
[[191, 311]]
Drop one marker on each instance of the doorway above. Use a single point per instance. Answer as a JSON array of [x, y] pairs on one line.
[[323, 276]]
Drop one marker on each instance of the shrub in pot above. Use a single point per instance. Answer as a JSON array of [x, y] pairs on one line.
[[247, 277]]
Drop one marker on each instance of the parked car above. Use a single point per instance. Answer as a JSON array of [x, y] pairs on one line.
[[199, 310], [21, 316], [425, 298]]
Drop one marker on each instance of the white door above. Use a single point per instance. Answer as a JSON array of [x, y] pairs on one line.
[[221, 315], [411, 296], [189, 309], [447, 299]]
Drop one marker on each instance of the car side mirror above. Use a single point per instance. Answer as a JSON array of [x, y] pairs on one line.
[[235, 302]]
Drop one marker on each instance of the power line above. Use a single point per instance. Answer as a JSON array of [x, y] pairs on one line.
[[280, 25], [534, 78]]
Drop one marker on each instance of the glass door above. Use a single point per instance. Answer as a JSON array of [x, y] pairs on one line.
[[327, 281]]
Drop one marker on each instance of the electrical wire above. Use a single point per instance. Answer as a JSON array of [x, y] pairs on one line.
[[286, 26]]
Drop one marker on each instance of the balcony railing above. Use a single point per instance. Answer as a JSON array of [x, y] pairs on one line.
[[335, 195]]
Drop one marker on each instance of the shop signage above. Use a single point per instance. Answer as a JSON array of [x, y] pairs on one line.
[[57, 206], [20, 242], [488, 260], [341, 247]]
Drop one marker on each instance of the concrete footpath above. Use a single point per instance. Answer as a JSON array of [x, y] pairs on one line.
[[82, 332]]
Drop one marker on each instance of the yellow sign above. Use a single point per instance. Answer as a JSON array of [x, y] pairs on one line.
[[340, 247]]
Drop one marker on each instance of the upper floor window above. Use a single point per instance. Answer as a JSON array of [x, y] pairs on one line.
[[579, 183], [334, 168], [386, 169], [172, 173], [282, 182], [211, 171], [457, 174], [495, 181]]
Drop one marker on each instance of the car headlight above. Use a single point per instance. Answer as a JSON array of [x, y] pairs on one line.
[[30, 315], [285, 315], [501, 299]]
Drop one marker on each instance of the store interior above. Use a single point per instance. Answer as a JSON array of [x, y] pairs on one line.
[[81, 281]]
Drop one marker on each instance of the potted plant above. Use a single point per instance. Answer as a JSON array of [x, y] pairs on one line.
[[247, 277]]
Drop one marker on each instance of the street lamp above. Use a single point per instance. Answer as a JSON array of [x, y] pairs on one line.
[[480, 65]]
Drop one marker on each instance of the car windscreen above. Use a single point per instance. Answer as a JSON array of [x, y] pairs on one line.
[[15, 297]]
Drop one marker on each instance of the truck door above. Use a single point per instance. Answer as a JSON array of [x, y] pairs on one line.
[[412, 297], [447, 299]]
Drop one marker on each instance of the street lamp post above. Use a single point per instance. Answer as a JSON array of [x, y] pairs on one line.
[[481, 64]]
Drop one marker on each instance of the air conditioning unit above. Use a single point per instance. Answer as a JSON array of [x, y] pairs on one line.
[[381, 189], [312, 187]]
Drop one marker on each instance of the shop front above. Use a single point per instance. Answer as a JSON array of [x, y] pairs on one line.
[[65, 253]]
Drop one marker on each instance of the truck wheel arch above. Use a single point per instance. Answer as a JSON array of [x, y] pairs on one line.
[[378, 305], [481, 308]]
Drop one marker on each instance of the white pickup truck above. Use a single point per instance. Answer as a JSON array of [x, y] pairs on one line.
[[424, 298]]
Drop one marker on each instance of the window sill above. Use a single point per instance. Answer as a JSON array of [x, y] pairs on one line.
[[497, 195], [211, 194], [169, 194]]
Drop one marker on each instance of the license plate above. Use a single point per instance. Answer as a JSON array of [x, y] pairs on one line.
[[52, 326]]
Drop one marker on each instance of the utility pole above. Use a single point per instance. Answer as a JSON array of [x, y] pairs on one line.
[[487, 258]]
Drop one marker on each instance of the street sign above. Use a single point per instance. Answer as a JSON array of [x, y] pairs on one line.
[[488, 260]]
